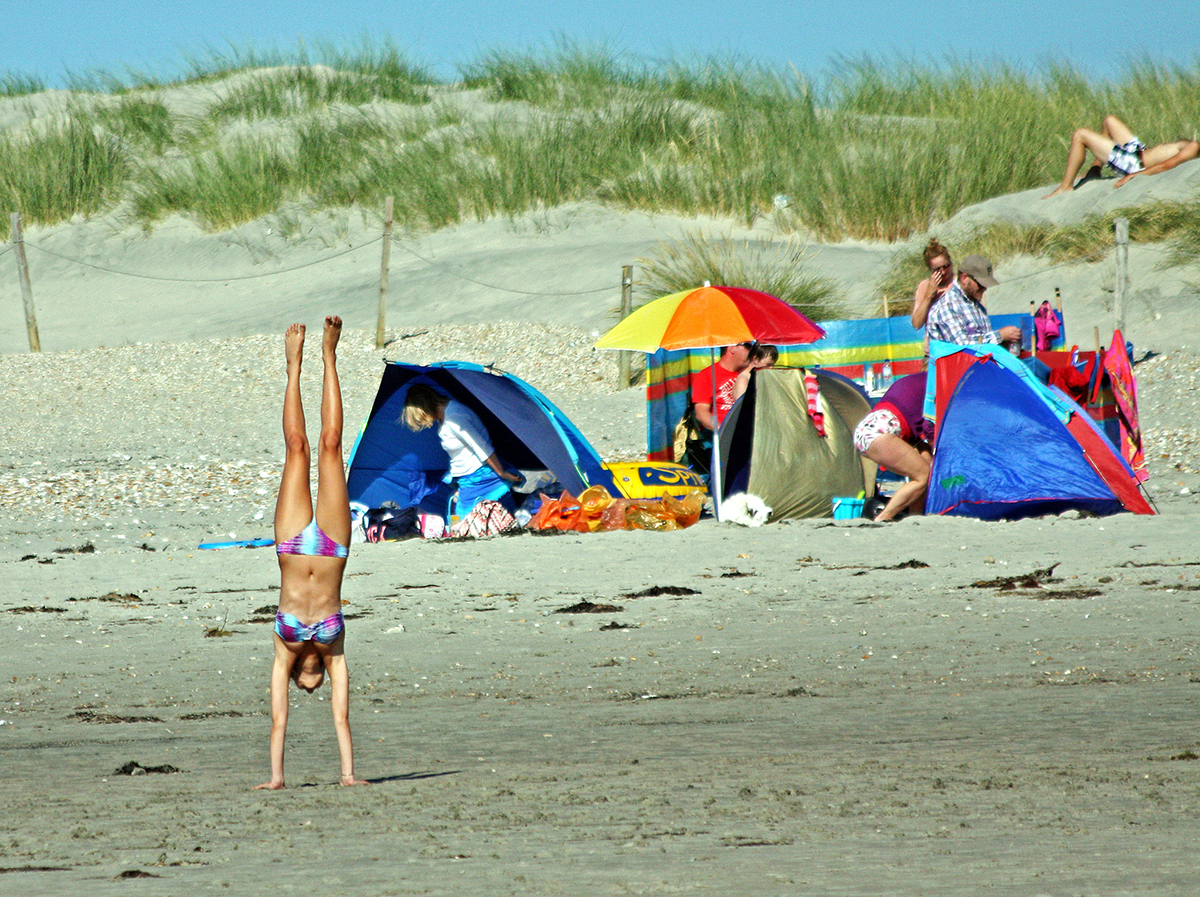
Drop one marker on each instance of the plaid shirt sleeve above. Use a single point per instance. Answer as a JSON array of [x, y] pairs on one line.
[[956, 319]]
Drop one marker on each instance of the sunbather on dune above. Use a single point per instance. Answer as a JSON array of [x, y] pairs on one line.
[[1116, 146]]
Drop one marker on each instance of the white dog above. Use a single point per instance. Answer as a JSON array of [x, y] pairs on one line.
[[746, 509]]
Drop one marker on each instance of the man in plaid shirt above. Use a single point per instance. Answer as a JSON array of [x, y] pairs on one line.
[[960, 317]]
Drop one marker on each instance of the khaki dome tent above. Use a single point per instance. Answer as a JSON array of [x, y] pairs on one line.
[[773, 449]]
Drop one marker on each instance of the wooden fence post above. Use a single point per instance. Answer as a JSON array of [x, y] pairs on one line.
[[624, 356], [35, 344], [1121, 284], [383, 272]]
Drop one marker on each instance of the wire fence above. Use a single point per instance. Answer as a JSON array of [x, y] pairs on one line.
[[300, 267], [236, 277], [443, 269], [1177, 254]]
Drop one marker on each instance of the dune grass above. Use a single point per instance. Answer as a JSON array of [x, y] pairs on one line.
[[222, 189], [140, 119], [69, 169], [248, 178], [567, 75], [295, 89], [874, 150], [770, 266], [14, 84]]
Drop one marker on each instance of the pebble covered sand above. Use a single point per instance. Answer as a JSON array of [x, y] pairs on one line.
[[137, 436]]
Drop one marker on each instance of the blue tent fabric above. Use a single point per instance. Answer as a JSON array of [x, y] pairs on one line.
[[1053, 398], [389, 462], [1002, 453]]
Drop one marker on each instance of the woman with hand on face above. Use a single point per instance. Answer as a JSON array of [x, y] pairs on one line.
[[929, 290]]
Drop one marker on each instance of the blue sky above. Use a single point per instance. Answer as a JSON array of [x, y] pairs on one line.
[[50, 39]]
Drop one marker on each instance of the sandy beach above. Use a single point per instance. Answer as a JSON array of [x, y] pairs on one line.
[[810, 708], [934, 707]]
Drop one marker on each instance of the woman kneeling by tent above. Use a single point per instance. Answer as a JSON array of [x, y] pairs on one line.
[[473, 463], [894, 436]]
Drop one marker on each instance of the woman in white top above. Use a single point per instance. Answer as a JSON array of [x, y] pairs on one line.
[[474, 466]]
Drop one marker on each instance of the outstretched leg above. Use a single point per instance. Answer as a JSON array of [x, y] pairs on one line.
[[293, 508], [333, 501]]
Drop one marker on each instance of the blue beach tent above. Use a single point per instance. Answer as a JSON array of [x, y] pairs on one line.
[[389, 462], [1003, 451]]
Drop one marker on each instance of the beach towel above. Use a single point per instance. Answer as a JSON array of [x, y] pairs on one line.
[[813, 393], [1124, 387], [1046, 326]]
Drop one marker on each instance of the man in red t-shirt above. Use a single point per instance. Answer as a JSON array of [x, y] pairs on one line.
[[732, 373]]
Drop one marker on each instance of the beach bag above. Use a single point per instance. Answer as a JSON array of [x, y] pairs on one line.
[[389, 523], [431, 526], [487, 518], [693, 443]]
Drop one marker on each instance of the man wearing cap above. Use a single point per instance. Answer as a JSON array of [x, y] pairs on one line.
[[960, 317]]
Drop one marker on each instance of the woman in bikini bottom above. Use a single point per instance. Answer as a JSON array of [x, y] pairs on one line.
[[325, 632], [310, 632]]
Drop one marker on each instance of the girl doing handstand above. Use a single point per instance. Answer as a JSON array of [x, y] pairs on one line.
[[312, 547]]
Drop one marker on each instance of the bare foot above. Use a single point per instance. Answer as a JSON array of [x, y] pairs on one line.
[[1060, 189], [347, 781], [293, 344], [270, 786], [333, 332]]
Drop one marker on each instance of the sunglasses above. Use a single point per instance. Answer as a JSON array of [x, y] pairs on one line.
[[940, 268]]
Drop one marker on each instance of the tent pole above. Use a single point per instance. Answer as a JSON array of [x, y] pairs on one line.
[[887, 314], [714, 475]]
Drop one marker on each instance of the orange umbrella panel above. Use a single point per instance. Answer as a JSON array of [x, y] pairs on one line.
[[711, 317]]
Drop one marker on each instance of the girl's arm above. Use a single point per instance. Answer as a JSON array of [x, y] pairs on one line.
[[494, 463], [339, 684], [279, 715]]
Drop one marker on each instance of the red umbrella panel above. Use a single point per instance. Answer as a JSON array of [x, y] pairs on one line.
[[711, 316]]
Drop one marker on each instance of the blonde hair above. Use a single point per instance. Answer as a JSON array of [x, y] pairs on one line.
[[421, 406]]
